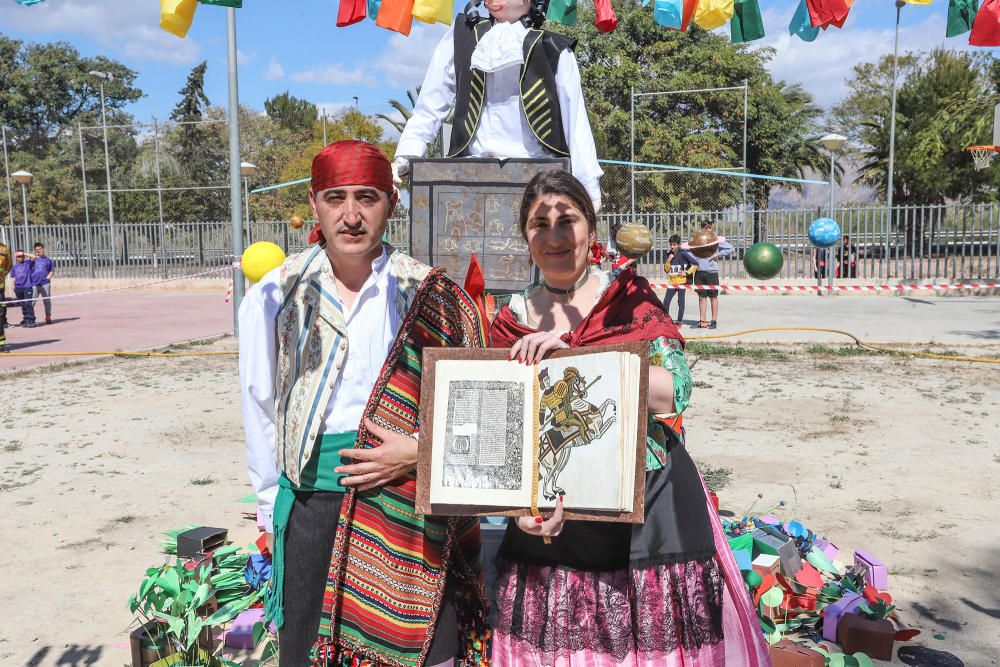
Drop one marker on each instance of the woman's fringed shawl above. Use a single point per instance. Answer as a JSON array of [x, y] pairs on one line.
[[389, 565]]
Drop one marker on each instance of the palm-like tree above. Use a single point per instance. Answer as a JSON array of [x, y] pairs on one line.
[[434, 149]]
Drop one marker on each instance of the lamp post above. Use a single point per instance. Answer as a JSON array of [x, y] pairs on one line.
[[892, 110], [105, 76], [246, 171], [832, 143], [24, 178]]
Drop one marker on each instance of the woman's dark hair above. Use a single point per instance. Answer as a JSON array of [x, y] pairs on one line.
[[556, 182], [674, 239]]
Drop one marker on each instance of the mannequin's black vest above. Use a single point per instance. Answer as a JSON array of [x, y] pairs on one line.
[[539, 99]]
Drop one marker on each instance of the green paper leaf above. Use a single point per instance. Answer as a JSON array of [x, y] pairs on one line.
[[252, 498], [772, 597], [863, 659], [939, 637], [837, 660], [170, 582]]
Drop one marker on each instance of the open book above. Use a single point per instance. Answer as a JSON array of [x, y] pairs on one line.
[[499, 437]]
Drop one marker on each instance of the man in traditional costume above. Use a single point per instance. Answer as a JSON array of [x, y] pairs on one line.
[[515, 89], [5, 263], [330, 349]]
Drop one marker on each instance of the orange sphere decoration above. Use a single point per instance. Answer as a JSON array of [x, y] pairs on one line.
[[296, 221]]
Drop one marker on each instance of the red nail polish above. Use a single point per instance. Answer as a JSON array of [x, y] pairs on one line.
[[539, 519]]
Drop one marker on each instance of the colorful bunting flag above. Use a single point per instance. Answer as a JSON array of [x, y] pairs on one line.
[[961, 14], [917, 2], [801, 26], [986, 27], [27, 3], [351, 11], [395, 15], [433, 11], [373, 7], [747, 24], [235, 4], [176, 16], [712, 14], [826, 12], [562, 11], [669, 13], [605, 18]]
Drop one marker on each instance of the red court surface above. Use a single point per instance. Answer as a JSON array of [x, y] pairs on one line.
[[115, 321]]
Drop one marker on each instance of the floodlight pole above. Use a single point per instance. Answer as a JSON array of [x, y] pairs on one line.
[[892, 112], [235, 203], [107, 174], [10, 199]]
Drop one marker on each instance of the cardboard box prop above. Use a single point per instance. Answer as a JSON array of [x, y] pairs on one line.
[[766, 564], [240, 635], [197, 541], [860, 634], [787, 653], [875, 572], [833, 612], [767, 540]]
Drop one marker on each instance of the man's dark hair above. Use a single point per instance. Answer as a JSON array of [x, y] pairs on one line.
[[556, 182], [674, 239], [38, 244]]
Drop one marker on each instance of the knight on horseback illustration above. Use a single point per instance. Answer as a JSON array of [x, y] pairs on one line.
[[567, 420]]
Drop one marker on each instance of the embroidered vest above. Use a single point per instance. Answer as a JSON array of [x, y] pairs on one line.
[[312, 347], [539, 99]]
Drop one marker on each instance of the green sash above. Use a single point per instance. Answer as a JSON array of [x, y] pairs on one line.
[[318, 475]]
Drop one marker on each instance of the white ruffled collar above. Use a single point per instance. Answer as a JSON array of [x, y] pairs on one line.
[[502, 46]]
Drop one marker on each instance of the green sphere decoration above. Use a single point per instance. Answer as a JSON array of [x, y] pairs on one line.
[[753, 578], [763, 261]]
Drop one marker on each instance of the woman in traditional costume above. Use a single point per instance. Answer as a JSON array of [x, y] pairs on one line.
[[666, 592]]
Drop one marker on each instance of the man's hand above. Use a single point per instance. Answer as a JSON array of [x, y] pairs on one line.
[[380, 465], [270, 543], [400, 170]]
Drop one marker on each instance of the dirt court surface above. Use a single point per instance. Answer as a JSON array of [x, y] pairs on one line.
[[893, 455]]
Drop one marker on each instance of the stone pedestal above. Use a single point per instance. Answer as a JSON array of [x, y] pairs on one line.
[[471, 205]]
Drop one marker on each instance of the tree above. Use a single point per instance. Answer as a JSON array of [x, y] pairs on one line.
[[869, 97], [435, 149], [291, 112], [690, 131], [944, 105], [46, 88]]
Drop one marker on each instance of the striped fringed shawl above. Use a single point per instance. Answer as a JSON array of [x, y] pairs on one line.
[[389, 565]]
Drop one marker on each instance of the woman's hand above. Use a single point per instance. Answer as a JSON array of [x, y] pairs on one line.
[[540, 527], [533, 347], [379, 465]]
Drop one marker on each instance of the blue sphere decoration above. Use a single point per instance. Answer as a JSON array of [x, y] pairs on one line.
[[824, 232]]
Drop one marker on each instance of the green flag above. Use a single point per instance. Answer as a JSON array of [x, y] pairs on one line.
[[961, 14], [562, 11], [238, 4], [747, 24]]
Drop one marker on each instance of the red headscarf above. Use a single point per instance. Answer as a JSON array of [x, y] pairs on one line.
[[628, 311], [349, 162]]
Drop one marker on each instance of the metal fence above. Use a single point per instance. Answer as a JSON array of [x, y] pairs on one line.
[[918, 242]]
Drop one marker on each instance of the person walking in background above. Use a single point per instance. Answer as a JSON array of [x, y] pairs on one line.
[[819, 267], [41, 279], [847, 259], [679, 266], [5, 266], [21, 273]]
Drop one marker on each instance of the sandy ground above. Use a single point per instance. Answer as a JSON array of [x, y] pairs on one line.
[[892, 455]]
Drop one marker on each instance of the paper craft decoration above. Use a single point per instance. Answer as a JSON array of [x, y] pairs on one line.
[[351, 11], [829, 549], [712, 14], [198, 541], [801, 26], [562, 11], [240, 635], [833, 612], [767, 540], [787, 653], [176, 16], [875, 572], [865, 635], [986, 27], [826, 12], [766, 564], [961, 14], [433, 11], [395, 15], [498, 437], [747, 24]]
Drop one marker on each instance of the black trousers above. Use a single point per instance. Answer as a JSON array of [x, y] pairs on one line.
[[681, 295], [27, 299], [308, 548]]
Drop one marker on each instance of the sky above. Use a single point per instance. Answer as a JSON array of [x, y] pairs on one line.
[[294, 45]]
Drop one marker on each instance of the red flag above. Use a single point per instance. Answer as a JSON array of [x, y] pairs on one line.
[[986, 27], [475, 282], [605, 18], [351, 11]]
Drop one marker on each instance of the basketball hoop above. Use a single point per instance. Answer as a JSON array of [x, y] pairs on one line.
[[983, 155]]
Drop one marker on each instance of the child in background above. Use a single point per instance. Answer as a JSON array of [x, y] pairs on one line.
[[679, 267]]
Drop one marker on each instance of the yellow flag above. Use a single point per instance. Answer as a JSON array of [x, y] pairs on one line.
[[917, 2], [176, 16], [712, 14]]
